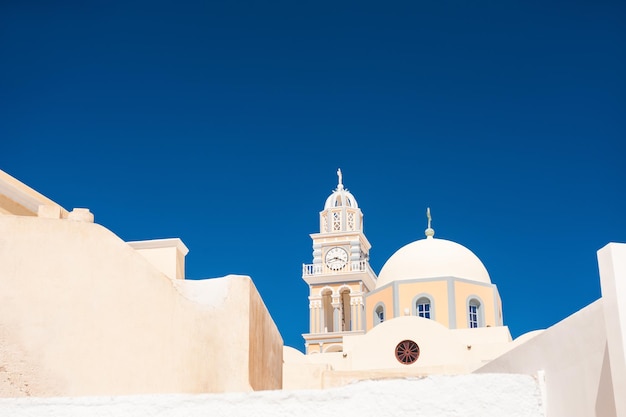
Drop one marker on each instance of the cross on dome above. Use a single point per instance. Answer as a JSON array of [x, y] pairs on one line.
[[340, 183], [430, 232]]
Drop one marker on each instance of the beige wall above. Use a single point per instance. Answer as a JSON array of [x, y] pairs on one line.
[[19, 199], [167, 255], [372, 355], [573, 353], [265, 344], [301, 371], [439, 348], [82, 313]]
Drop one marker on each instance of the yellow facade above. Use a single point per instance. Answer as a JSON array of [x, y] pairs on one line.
[[437, 291], [383, 296], [405, 294], [330, 294], [485, 294]]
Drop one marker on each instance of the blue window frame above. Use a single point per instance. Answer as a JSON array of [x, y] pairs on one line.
[[474, 317], [423, 308]]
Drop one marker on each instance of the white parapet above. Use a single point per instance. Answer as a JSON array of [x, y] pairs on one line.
[[49, 211], [168, 255], [81, 215]]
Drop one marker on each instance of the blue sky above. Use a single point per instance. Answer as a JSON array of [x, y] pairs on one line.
[[223, 123]]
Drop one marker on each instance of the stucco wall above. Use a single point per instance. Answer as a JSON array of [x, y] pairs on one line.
[[300, 371], [372, 355], [466, 395], [265, 354], [612, 265], [439, 348], [82, 313], [19, 199], [573, 354]]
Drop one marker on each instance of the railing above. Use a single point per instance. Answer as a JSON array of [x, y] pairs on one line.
[[319, 269]]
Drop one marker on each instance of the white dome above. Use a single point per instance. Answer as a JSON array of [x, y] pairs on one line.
[[341, 197], [432, 258]]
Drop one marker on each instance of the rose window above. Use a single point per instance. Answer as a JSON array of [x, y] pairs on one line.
[[407, 352]]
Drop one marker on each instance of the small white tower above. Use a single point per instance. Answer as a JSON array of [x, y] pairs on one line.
[[340, 274]]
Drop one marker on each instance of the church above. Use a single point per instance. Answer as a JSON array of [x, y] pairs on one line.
[[84, 313], [433, 308]]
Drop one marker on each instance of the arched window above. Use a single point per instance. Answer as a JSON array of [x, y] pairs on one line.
[[474, 313], [334, 348], [345, 310], [379, 314], [423, 306]]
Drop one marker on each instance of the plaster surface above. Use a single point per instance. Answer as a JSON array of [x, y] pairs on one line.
[[83, 313], [430, 257], [574, 358], [612, 264], [435, 396]]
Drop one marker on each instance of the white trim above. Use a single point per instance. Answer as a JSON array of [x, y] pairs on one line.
[[480, 311], [25, 196], [376, 318], [160, 243], [431, 306]]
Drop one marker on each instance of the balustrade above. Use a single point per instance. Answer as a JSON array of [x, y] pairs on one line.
[[318, 269]]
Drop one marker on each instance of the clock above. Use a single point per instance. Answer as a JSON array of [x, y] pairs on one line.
[[336, 258]]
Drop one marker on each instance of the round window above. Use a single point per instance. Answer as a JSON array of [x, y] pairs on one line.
[[407, 352]]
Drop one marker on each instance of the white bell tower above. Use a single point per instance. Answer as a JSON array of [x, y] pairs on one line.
[[340, 274]]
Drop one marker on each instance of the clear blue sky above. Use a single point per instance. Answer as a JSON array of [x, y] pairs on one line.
[[223, 123]]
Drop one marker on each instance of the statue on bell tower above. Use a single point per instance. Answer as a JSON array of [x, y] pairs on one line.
[[340, 273]]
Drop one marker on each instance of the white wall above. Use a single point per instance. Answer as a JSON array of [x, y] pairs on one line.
[[573, 354], [436, 396], [612, 264]]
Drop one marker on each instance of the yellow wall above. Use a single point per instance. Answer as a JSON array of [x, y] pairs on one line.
[[385, 296], [314, 314], [316, 289], [313, 348], [437, 290], [462, 291]]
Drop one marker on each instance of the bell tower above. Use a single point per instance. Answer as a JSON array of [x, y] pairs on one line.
[[340, 274]]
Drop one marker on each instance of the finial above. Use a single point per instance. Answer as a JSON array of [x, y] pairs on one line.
[[430, 232], [340, 184]]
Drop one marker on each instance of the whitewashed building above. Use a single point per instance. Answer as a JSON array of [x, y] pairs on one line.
[[87, 319]]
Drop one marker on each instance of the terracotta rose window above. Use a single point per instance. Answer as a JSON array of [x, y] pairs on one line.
[[407, 352]]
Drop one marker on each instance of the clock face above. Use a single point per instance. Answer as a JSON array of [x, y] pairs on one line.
[[336, 258]]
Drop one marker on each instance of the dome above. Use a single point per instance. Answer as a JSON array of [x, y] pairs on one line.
[[340, 198], [432, 258]]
